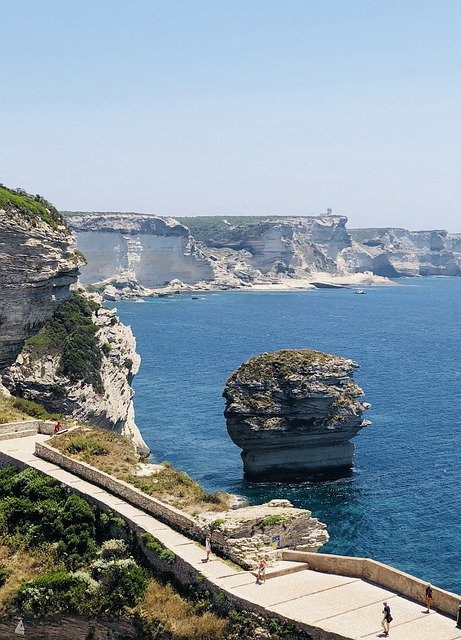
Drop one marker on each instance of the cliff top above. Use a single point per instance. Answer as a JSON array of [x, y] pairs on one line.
[[285, 364], [31, 206]]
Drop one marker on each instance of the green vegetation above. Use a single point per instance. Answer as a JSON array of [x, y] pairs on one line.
[[16, 409], [279, 364], [157, 547], [116, 455], [228, 229], [217, 524], [41, 575], [70, 334], [271, 521], [30, 206]]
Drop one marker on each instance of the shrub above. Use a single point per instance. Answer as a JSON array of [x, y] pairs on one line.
[[216, 524], [113, 550], [51, 594], [122, 584], [86, 445], [70, 334], [4, 574], [270, 521], [157, 547], [34, 409], [106, 348]]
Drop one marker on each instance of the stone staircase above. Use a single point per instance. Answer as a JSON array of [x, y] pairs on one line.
[[283, 568]]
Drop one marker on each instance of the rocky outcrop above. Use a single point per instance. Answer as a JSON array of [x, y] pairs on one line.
[[38, 263], [293, 414], [264, 530], [394, 252], [153, 250], [148, 252], [107, 402]]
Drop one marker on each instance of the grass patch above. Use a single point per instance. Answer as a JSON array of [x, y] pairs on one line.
[[16, 409], [70, 334], [271, 521], [223, 230], [282, 364], [30, 206], [120, 460]]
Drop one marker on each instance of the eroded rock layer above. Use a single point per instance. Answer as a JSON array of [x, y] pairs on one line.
[[38, 263], [107, 401], [155, 250], [293, 413]]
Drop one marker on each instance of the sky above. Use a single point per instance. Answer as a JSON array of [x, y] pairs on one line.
[[237, 107]]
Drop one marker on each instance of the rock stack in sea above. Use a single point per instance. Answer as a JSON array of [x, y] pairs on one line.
[[293, 413]]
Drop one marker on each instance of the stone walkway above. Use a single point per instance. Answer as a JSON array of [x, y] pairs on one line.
[[339, 606]]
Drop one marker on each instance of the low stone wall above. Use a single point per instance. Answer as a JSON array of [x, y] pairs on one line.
[[71, 628], [380, 574], [15, 429], [166, 513]]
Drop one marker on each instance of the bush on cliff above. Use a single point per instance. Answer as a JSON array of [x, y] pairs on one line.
[[30, 206], [70, 334]]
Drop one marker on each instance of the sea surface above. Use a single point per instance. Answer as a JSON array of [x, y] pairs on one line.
[[402, 502]]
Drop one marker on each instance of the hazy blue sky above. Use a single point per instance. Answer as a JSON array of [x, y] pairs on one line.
[[188, 107]]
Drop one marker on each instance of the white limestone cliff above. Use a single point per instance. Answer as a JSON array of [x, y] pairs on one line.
[[42, 380], [155, 250], [38, 263]]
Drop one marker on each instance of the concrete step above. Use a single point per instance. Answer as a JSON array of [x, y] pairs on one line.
[[18, 434], [283, 568]]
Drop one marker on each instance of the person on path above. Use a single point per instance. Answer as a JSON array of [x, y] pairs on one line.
[[428, 598], [261, 571], [208, 545], [387, 619]]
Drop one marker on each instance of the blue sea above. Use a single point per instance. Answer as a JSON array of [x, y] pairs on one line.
[[402, 502]]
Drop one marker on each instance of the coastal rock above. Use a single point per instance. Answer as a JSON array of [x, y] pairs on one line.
[[152, 249], [293, 413], [42, 380], [264, 530], [395, 252], [38, 263]]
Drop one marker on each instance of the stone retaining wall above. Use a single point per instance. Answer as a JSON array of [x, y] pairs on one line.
[[166, 513], [12, 429], [71, 628], [380, 574]]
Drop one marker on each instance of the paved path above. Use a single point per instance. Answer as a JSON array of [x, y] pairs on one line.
[[341, 605]]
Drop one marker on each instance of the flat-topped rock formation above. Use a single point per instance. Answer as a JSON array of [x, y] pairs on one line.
[[228, 252], [154, 249], [293, 413]]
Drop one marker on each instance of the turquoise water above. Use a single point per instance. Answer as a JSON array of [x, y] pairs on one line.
[[402, 502]]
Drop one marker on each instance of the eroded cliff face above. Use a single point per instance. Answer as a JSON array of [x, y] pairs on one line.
[[396, 252], [155, 250], [293, 413], [148, 251], [39, 374], [38, 263]]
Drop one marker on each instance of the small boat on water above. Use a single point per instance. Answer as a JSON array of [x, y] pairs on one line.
[[359, 291]]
